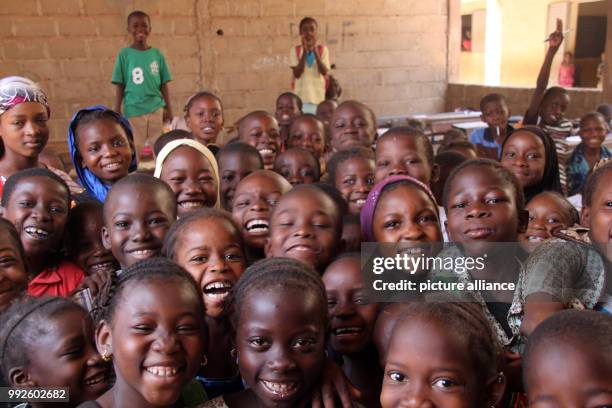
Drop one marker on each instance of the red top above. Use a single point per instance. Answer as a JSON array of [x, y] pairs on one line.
[[61, 280]]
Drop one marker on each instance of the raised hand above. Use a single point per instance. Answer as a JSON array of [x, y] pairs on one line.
[[556, 38]]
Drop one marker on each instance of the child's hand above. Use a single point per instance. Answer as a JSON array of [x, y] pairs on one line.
[[334, 382], [167, 115], [556, 38]]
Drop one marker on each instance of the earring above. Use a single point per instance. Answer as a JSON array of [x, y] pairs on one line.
[[106, 357], [500, 378], [203, 363]]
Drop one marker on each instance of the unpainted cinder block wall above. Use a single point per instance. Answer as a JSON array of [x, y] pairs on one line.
[[390, 54]]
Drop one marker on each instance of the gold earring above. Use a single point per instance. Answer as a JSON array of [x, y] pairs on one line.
[[106, 357], [203, 363]]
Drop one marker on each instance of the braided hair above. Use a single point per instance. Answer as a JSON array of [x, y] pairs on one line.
[[23, 323], [583, 329], [464, 319], [147, 270], [282, 274], [184, 223]]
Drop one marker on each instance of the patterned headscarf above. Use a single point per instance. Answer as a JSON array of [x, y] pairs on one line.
[[15, 90], [368, 209], [175, 144]]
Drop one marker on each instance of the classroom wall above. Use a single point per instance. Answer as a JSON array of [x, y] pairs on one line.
[[391, 54], [583, 100]]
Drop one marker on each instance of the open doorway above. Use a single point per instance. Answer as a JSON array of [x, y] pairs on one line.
[[590, 42]]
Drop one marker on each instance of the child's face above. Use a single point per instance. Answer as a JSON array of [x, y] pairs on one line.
[[354, 180], [429, 366], [351, 237], [598, 216], [553, 108], [281, 344], [66, 356], [233, 167], [308, 134], [482, 209], [263, 133], [38, 208], [351, 126], [136, 221], [305, 227], [13, 275], [105, 149], [593, 132], [23, 129], [157, 339], [546, 214], [205, 119], [569, 375], [325, 110], [139, 28], [352, 316], [406, 214], [191, 177], [402, 156], [89, 252], [254, 199], [286, 109], [495, 113], [211, 252], [525, 156], [296, 167], [308, 32]]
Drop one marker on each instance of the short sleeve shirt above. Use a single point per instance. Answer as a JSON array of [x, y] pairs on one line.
[[310, 87], [141, 73]]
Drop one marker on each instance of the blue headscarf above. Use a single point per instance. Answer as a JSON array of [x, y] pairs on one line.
[[94, 186]]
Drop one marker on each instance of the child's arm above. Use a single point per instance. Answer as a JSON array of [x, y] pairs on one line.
[[320, 64], [554, 42], [298, 70], [118, 97], [166, 95]]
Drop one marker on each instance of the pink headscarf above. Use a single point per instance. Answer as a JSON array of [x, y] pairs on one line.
[[367, 211]]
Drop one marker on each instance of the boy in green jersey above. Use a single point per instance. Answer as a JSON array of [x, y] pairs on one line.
[[141, 78]]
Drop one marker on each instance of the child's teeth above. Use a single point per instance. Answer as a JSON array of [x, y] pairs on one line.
[[257, 226], [143, 252], [39, 233], [112, 166], [278, 388], [162, 371], [360, 202], [191, 204]]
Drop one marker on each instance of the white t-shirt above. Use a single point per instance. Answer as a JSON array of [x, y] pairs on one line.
[[310, 87]]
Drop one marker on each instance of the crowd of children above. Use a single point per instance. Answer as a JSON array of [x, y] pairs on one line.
[[232, 277]]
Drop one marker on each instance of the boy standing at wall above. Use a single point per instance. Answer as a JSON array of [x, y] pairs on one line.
[[141, 78], [310, 64]]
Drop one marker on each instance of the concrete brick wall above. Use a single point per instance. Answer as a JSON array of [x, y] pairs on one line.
[[391, 54], [583, 100]]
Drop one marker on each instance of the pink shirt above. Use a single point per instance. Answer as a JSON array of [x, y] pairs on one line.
[[566, 75]]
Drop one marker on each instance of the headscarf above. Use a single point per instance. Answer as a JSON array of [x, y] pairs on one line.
[[15, 90], [175, 144], [550, 179], [94, 186], [368, 209]]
